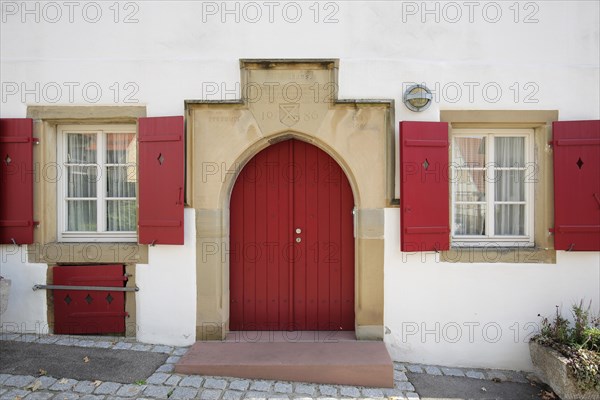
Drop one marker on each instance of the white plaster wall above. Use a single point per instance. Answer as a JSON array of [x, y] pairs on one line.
[[166, 302], [26, 312], [175, 52], [475, 315]]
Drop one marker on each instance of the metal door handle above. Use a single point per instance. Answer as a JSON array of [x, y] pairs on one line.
[[298, 230], [298, 240]]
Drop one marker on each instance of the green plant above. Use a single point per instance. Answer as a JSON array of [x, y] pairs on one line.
[[578, 342]]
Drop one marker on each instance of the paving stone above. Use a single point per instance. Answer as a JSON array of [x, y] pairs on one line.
[[157, 378], [210, 394], [173, 360], [261, 386], [4, 377], [85, 387], [349, 391], [66, 396], [13, 394], [398, 393], [130, 390], [29, 338], [108, 388], [91, 397], [305, 389], [141, 347], [232, 395], [173, 380], [86, 343], [371, 392], [328, 390], [19, 380], [46, 381], [10, 336], [283, 387], [496, 375], [405, 386], [103, 345], [431, 370], [166, 368], [280, 397], [162, 349], [400, 376], [412, 396], [49, 339], [453, 372], [515, 376], [183, 393], [192, 381], [475, 375], [3, 390], [399, 367], [122, 346], [63, 385], [212, 383], [160, 392], [255, 396], [179, 351], [40, 395], [415, 368], [240, 384]]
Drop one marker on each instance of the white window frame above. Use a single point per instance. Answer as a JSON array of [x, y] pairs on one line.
[[490, 239], [62, 224]]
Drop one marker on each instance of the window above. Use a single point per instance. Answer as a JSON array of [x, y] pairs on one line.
[[492, 187], [97, 193]]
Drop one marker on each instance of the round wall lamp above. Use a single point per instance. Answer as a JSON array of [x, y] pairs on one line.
[[417, 98]]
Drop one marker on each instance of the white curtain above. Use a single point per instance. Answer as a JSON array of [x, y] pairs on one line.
[[83, 182], [509, 219], [120, 182], [82, 179], [469, 186]]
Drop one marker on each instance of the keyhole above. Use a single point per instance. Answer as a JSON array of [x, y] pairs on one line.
[[580, 163], [160, 158], [426, 164], [7, 159]]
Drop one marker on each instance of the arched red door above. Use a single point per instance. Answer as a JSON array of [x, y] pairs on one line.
[[292, 242]]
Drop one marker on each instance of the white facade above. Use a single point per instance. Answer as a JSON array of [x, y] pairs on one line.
[[473, 55]]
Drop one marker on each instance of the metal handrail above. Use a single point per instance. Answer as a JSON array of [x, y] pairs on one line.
[[89, 288]]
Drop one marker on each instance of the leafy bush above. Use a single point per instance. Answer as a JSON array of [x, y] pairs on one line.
[[578, 342]]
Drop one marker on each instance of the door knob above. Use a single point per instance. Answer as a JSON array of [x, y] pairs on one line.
[[298, 230], [298, 240]]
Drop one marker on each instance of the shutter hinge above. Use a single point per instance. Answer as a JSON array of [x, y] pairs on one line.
[[36, 140], [35, 224], [550, 231]]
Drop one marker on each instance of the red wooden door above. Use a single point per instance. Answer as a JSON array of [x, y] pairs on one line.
[[89, 311], [292, 242]]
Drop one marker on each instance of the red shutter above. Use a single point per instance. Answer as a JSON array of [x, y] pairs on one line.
[[424, 194], [16, 181], [576, 185], [161, 174]]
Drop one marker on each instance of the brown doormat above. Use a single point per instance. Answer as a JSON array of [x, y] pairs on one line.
[[123, 366]]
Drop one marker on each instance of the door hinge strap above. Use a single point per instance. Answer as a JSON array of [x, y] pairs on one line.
[[89, 288]]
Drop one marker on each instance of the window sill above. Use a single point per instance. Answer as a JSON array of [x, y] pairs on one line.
[[88, 253], [498, 254]]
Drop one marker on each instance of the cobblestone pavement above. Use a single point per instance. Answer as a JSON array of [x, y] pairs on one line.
[[165, 384]]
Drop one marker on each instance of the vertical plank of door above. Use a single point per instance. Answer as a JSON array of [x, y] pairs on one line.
[[324, 242], [334, 176], [298, 264], [236, 258], [347, 255], [258, 249], [311, 236], [249, 228]]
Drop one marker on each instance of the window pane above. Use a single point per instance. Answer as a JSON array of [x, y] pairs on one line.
[[510, 219], [119, 182], [121, 215], [81, 215], [510, 185], [121, 148], [82, 181], [469, 152], [81, 148], [469, 185], [509, 151], [469, 219]]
